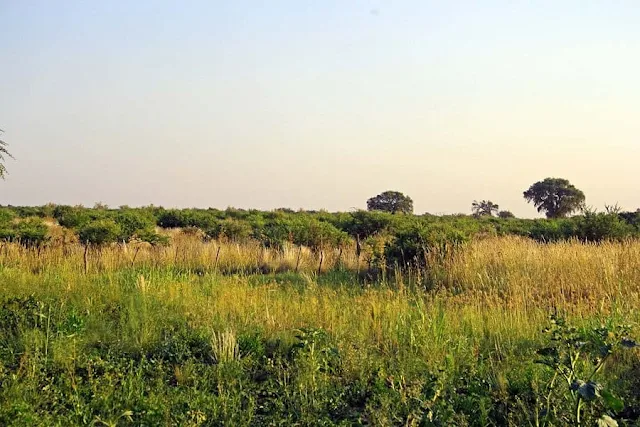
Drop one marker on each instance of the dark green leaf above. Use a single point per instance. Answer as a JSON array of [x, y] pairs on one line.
[[547, 351], [614, 403], [588, 391]]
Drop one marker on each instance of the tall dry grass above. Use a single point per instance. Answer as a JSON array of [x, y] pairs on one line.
[[494, 292], [186, 252]]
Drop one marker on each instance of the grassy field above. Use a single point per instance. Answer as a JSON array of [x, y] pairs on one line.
[[221, 334]]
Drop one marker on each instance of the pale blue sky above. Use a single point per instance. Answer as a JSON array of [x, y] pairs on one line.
[[319, 104]]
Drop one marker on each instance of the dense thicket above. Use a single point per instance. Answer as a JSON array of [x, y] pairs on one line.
[[400, 239]]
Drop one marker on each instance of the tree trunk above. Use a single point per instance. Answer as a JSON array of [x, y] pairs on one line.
[[298, 259], [135, 254], [320, 265], [86, 258], [215, 264]]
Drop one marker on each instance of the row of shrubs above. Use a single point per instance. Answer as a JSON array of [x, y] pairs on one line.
[[88, 225], [399, 239]]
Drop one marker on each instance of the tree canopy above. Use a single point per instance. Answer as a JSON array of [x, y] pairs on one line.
[[556, 197], [4, 153], [391, 201], [506, 214], [484, 208]]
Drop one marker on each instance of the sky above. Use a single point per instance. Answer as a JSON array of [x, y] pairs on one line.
[[319, 104]]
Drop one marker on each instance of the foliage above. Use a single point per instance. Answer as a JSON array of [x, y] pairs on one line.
[[6, 216], [317, 234], [99, 232], [322, 230], [31, 232], [230, 229], [598, 226], [631, 218], [133, 224], [363, 224], [391, 201], [4, 153], [164, 342], [484, 208], [151, 237], [577, 358], [505, 215], [411, 243], [71, 217], [556, 197], [171, 219]]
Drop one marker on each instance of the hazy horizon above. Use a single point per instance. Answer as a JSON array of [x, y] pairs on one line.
[[318, 105]]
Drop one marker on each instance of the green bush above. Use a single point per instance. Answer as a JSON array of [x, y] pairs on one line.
[[6, 216], [7, 233], [71, 217], [411, 243], [133, 223], [31, 232], [99, 232], [171, 219], [151, 237], [599, 226], [231, 229]]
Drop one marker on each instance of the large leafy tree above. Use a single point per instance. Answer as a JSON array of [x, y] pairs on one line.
[[556, 197], [4, 153], [391, 201], [484, 208]]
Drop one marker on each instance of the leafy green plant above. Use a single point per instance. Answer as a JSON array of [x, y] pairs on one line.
[[598, 226], [99, 232], [576, 358], [32, 232], [133, 223], [6, 215], [71, 217]]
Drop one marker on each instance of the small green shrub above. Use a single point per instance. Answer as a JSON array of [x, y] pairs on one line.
[[71, 217], [32, 232], [576, 358], [99, 232], [133, 223], [599, 226]]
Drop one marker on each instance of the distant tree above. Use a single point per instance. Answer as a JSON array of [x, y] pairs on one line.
[[391, 201], [3, 154], [506, 214], [484, 208], [556, 197], [97, 233]]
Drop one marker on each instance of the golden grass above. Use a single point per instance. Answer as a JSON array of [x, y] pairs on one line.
[[492, 295]]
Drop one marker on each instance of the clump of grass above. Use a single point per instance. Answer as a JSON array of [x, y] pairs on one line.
[[225, 347]]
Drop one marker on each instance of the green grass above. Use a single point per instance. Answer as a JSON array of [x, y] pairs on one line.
[[175, 343]]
